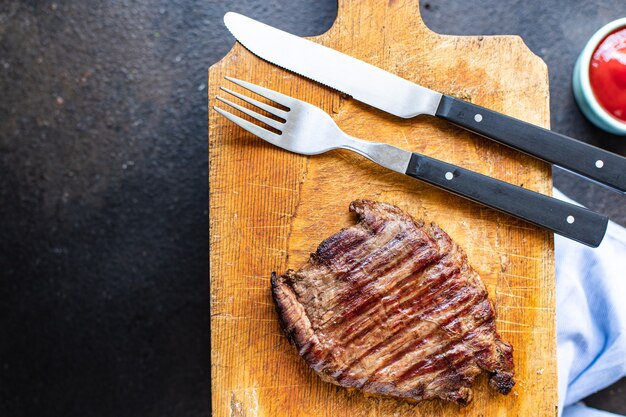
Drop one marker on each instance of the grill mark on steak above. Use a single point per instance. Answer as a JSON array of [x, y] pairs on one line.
[[354, 261], [352, 330], [395, 344], [360, 308], [416, 318], [363, 307], [431, 360], [405, 346], [395, 355], [353, 307], [392, 307]]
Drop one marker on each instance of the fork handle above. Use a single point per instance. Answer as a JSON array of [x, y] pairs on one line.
[[589, 161], [571, 221]]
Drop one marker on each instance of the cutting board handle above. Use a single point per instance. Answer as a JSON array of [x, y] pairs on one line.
[[358, 11]]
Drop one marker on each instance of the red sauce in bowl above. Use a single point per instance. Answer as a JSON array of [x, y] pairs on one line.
[[607, 74]]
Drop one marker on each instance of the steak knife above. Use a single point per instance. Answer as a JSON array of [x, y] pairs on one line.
[[392, 94]]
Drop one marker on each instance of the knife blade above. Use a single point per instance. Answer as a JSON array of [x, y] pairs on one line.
[[385, 91], [400, 97]]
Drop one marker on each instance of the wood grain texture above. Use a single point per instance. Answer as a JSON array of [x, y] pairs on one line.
[[269, 209]]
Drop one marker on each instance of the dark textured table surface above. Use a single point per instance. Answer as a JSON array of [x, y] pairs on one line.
[[103, 190]]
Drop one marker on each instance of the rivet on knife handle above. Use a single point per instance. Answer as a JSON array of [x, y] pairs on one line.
[[566, 219], [597, 164]]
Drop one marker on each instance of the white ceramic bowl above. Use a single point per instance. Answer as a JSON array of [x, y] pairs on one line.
[[583, 93]]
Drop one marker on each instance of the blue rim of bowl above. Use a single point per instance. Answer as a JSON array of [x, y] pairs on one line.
[[583, 93]]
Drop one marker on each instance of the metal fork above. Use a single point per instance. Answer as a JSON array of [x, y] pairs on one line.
[[308, 130]]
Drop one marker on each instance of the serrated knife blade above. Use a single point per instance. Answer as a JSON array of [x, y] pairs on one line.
[[342, 72]]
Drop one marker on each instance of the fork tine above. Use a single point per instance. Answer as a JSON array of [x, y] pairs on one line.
[[270, 109], [250, 127], [265, 92], [270, 122]]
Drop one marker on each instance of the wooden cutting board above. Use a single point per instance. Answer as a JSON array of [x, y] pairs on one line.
[[269, 209]]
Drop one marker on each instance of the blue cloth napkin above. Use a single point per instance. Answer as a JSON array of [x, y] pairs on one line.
[[591, 317]]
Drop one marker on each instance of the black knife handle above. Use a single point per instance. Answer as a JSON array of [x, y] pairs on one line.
[[566, 219], [592, 162]]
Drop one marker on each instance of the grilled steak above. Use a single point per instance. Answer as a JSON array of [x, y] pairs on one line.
[[392, 307]]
